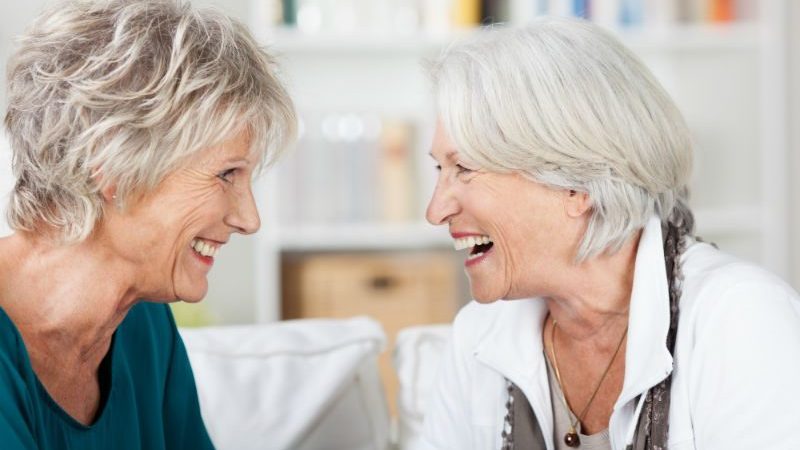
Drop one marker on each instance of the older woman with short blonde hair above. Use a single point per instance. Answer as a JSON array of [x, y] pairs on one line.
[[564, 169], [136, 128]]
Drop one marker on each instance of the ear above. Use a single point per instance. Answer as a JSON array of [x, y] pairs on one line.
[[576, 203], [109, 193], [107, 190]]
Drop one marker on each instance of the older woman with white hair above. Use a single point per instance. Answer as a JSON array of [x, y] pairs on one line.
[[136, 127], [564, 169]]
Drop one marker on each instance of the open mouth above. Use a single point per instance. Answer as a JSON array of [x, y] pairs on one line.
[[478, 250], [477, 245]]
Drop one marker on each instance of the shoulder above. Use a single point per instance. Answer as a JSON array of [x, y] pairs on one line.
[[712, 276], [17, 379], [721, 292], [11, 345], [15, 367]]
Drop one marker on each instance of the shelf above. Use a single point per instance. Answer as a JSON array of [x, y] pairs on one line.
[[359, 237], [705, 37], [288, 40], [685, 37]]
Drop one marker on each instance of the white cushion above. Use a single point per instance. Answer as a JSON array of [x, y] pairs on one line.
[[416, 357], [301, 385]]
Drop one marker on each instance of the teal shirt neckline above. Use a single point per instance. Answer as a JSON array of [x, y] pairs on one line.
[[150, 402], [49, 400]]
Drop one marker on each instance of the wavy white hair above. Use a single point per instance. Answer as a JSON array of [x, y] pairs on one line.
[[565, 103], [124, 92]]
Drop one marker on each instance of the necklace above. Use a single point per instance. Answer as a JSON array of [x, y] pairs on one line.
[[571, 438]]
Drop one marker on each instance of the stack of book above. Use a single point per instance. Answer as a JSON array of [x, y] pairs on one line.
[[442, 15], [350, 168], [622, 12]]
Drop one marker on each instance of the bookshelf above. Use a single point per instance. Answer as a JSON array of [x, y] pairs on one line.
[[729, 79]]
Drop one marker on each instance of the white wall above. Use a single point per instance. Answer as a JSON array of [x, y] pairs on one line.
[[793, 27]]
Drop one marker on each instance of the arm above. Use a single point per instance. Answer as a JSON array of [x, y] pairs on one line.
[[183, 425], [745, 380]]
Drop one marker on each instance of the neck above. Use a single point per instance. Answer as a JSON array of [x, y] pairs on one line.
[[65, 300], [594, 303]]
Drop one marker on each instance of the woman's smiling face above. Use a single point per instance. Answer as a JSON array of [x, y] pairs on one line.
[[530, 227], [172, 233]]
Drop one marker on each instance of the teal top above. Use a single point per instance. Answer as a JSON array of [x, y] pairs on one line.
[[148, 395]]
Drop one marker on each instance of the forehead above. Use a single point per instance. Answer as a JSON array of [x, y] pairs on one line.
[[237, 147], [442, 147]]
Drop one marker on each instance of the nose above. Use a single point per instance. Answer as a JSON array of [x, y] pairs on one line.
[[442, 206], [244, 214]]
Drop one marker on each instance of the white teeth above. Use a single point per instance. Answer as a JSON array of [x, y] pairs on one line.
[[470, 241], [204, 248], [476, 255]]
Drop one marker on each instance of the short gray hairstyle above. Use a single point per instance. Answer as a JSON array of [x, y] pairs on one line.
[[124, 92], [565, 103]]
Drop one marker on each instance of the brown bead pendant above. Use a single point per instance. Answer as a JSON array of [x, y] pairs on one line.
[[572, 439]]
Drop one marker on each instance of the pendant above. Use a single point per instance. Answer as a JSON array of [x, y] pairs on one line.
[[572, 439]]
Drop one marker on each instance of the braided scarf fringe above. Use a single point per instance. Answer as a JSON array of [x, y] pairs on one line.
[[652, 431]]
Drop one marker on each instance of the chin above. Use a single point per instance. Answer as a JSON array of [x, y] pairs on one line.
[[484, 297], [192, 295], [192, 299]]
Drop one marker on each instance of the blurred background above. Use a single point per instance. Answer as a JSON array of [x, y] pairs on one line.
[[343, 227]]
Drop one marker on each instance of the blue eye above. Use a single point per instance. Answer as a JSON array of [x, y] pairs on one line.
[[227, 176]]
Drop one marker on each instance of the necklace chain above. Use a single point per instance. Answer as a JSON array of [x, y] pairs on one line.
[[579, 418]]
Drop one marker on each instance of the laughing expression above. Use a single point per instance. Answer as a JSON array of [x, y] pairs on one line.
[[517, 232], [172, 234]]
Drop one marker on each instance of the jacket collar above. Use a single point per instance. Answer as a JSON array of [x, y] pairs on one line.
[[647, 359], [513, 344]]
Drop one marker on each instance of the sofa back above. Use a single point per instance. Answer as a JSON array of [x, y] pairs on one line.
[[308, 384]]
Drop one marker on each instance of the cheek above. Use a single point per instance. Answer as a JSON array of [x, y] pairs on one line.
[[200, 209]]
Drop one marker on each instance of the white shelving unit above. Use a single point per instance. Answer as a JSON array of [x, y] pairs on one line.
[[729, 81]]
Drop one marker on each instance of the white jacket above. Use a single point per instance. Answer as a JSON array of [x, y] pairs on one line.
[[736, 379]]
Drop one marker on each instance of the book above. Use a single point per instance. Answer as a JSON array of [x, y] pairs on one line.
[[396, 188], [606, 12], [289, 10], [466, 13], [720, 10]]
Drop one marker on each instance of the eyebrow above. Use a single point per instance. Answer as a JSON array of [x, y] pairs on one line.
[[237, 160], [450, 156]]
